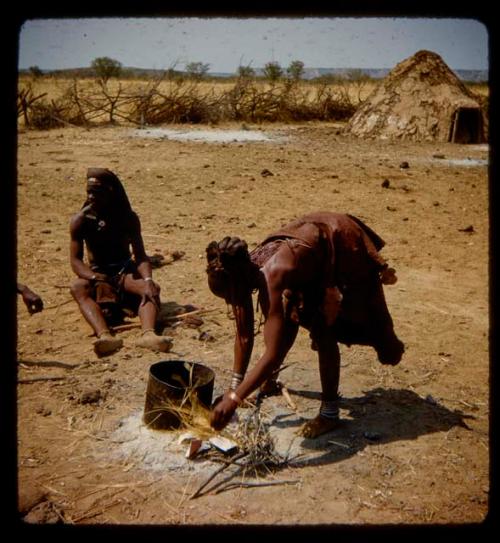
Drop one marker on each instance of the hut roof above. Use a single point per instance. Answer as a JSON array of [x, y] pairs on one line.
[[421, 99]]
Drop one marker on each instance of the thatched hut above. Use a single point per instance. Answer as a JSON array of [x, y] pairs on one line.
[[421, 99]]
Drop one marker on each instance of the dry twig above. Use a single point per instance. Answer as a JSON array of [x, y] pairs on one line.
[[257, 449], [251, 484], [29, 380], [197, 493], [288, 398]]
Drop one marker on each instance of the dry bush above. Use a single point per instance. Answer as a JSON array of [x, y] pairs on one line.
[[179, 101], [64, 106], [44, 115], [285, 102], [164, 101]]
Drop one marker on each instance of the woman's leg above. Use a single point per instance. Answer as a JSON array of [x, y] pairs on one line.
[[329, 371]]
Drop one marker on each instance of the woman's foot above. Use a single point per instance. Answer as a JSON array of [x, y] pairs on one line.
[[318, 426], [106, 344], [149, 340]]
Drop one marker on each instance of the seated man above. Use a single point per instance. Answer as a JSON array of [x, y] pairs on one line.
[[118, 274], [322, 272], [31, 299]]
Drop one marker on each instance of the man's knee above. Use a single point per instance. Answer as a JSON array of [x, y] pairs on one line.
[[80, 289]]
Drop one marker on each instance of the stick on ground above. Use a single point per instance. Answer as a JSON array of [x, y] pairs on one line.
[[196, 494]]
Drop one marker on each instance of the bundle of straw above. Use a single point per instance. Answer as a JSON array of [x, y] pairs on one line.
[[192, 414]]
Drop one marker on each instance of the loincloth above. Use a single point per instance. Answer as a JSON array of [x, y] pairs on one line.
[[112, 298]]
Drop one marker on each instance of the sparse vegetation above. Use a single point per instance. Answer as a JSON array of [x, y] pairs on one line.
[[197, 70], [246, 72], [179, 100], [46, 101], [295, 70], [273, 71], [105, 68], [35, 71]]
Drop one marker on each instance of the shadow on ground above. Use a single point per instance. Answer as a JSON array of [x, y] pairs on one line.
[[379, 416]]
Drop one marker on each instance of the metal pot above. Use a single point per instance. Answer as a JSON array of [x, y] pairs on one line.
[[170, 383]]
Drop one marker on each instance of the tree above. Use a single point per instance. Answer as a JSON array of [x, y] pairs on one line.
[[173, 74], [273, 71], [295, 70], [35, 71], [105, 68], [197, 70], [246, 72]]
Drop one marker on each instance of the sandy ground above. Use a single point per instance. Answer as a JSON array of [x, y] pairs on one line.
[[413, 448]]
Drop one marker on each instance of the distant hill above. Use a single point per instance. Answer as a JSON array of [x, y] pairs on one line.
[[380, 73], [477, 76]]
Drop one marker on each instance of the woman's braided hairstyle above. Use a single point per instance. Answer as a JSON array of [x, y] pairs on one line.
[[228, 259]]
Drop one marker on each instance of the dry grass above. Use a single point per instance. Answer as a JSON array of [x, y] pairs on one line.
[[48, 102], [192, 414], [55, 88]]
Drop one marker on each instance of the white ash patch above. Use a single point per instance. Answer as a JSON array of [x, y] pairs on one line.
[[210, 136], [466, 162], [147, 449], [159, 450]]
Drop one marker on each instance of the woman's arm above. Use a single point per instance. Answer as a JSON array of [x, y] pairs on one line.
[[279, 336], [244, 338]]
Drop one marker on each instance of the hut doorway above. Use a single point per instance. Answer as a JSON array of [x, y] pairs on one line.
[[466, 126]]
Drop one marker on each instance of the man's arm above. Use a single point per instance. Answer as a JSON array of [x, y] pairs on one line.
[[152, 289], [32, 300], [138, 249], [80, 268]]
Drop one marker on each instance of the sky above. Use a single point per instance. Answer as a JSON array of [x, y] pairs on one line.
[[226, 43]]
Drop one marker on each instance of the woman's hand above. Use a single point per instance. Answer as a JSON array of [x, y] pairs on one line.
[[223, 411]]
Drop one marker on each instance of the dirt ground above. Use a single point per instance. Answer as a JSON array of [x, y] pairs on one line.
[[413, 448]]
